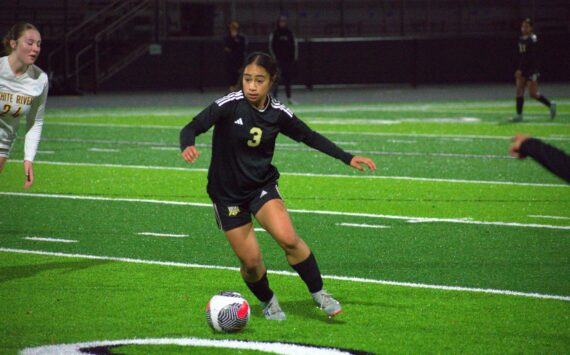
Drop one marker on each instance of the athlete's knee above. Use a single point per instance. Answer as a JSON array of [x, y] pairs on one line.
[[534, 94], [252, 265], [290, 242]]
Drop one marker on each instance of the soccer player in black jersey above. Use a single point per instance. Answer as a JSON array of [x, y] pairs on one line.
[[527, 72], [242, 181]]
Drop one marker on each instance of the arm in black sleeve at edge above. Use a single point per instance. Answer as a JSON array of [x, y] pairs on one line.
[[200, 124], [548, 156], [299, 131]]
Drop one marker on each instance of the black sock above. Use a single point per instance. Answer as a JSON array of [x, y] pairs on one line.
[[261, 289], [544, 100], [520, 103], [310, 273]]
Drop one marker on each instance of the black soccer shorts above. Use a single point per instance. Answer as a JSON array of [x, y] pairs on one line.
[[230, 216]]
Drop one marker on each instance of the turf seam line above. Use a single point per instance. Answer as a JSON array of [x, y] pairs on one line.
[[289, 273], [411, 178], [409, 219]]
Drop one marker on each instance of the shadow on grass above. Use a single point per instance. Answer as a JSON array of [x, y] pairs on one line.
[[23, 271]]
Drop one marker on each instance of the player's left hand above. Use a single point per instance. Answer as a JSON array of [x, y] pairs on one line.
[[357, 163], [514, 150], [29, 173]]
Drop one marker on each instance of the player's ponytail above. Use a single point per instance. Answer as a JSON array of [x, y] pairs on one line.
[[14, 33], [265, 61]]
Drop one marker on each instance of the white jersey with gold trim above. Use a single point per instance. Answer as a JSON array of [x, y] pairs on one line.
[[21, 96]]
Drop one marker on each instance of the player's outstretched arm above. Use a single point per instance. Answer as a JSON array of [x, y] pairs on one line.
[[190, 154], [358, 162]]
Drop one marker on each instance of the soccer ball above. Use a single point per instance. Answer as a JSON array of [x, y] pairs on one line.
[[227, 312]]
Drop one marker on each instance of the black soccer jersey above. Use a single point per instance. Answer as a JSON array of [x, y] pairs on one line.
[[244, 143], [528, 56]]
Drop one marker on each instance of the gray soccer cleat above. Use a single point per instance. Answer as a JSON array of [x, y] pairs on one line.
[[327, 303], [515, 119], [272, 310], [552, 110]]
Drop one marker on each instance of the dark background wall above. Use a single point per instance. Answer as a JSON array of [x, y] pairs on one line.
[[194, 64]]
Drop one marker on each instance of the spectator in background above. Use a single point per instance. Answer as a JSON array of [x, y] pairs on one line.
[[234, 46], [546, 155], [283, 47]]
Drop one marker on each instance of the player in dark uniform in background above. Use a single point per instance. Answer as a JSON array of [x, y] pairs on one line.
[[235, 47], [527, 72], [243, 182], [283, 47]]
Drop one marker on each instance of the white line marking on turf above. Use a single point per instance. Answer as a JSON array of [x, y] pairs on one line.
[[400, 141], [165, 168], [164, 235], [259, 230], [165, 148], [103, 150], [550, 217], [362, 121], [429, 135], [46, 152], [362, 225], [265, 347], [289, 273], [52, 240], [409, 219]]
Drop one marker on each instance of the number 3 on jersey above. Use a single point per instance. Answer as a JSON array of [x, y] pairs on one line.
[[256, 139]]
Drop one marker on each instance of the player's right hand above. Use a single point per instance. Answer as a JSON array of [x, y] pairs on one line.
[[190, 154], [514, 150]]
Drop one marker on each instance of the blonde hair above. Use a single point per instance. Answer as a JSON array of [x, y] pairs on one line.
[[14, 33]]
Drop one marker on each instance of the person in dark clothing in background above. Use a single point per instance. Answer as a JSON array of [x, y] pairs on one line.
[[234, 46], [546, 155], [527, 72], [283, 47]]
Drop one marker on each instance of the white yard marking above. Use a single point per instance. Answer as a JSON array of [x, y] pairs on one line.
[[358, 225], [51, 240], [164, 235], [550, 217], [103, 150], [46, 152], [409, 219], [259, 230], [261, 346], [429, 135], [362, 121], [400, 141], [294, 274], [411, 178], [166, 148]]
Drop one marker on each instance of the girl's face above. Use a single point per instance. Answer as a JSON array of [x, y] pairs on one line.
[[526, 29], [27, 47], [256, 84]]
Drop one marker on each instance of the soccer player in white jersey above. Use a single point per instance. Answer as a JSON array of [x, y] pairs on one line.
[[23, 92]]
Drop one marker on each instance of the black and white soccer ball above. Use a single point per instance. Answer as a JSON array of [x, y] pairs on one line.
[[227, 312]]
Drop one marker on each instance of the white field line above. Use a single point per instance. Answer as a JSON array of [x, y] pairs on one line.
[[289, 273], [103, 150], [263, 347], [320, 121], [409, 219], [430, 135], [550, 217], [285, 147], [46, 152], [411, 178], [401, 141], [52, 240], [259, 230], [359, 225], [164, 235]]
